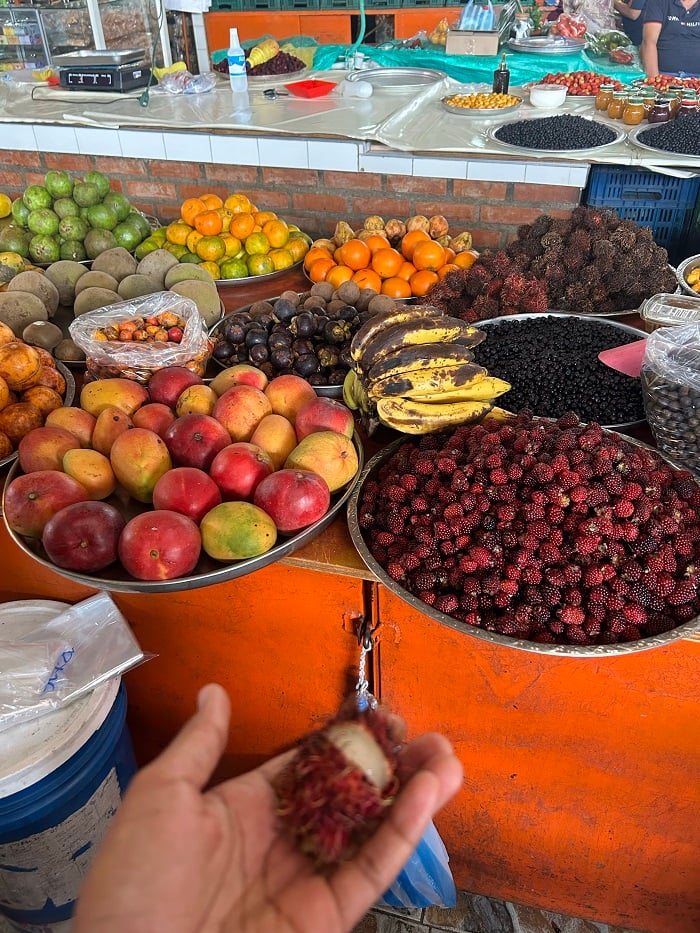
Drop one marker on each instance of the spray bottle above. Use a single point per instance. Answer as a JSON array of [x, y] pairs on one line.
[[236, 63]]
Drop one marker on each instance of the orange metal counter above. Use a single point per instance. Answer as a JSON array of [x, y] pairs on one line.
[[580, 794]]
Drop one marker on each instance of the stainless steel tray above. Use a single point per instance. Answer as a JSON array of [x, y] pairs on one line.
[[692, 262], [328, 391], [398, 79], [633, 137], [256, 81], [591, 318], [265, 277], [208, 571], [526, 150], [67, 400], [96, 57], [547, 45], [479, 112], [570, 651]]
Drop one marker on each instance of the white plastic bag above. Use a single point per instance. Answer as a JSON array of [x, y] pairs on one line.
[[478, 16], [64, 658]]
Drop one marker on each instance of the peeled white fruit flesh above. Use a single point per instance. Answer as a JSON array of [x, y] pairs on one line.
[[361, 750]]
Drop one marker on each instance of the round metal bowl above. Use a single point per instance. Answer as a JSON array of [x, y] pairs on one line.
[[397, 79], [524, 150], [265, 277], [570, 651], [327, 390], [547, 45], [625, 328], [208, 571], [692, 262], [478, 112], [67, 400]]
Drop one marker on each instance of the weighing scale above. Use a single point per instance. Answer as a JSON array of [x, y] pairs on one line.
[[103, 70]]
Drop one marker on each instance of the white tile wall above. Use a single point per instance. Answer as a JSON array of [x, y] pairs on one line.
[[390, 164], [137, 144], [92, 141], [333, 156], [286, 152], [19, 136], [55, 138], [440, 168], [188, 147], [234, 150], [492, 170]]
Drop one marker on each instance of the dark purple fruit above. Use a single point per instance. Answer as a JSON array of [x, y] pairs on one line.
[[303, 325], [259, 354], [327, 356], [233, 332], [223, 351], [334, 332], [279, 340], [284, 310], [254, 336], [306, 365], [302, 345], [282, 358]]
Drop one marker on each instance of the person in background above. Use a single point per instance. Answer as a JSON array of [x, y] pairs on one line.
[[599, 15], [671, 37], [181, 859], [632, 13]]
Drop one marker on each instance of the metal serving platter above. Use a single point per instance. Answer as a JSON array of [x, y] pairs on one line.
[[625, 328], [480, 111], [208, 571], [398, 79], [265, 277], [328, 391], [692, 262], [67, 400], [97, 57], [633, 137], [256, 81], [570, 651], [525, 150], [547, 45]]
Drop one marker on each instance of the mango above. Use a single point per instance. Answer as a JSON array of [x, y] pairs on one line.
[[139, 458], [124, 394]]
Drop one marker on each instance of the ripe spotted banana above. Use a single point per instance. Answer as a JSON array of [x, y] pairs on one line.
[[415, 359], [429, 381], [411, 417], [418, 332], [489, 387], [375, 325]]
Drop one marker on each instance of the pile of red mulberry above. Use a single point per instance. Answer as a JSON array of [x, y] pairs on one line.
[[554, 532], [589, 262]]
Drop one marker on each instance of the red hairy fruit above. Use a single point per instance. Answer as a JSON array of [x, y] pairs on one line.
[[339, 785]]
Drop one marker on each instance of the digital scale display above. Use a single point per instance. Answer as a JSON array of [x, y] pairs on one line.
[[104, 77]]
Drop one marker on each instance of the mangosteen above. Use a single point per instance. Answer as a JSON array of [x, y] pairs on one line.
[[327, 355], [306, 365], [233, 332], [265, 320], [317, 379], [223, 351], [279, 340], [335, 332], [259, 354], [336, 377], [281, 357], [301, 346], [255, 335], [242, 317], [303, 325]]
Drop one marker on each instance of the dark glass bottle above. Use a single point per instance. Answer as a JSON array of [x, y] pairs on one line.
[[501, 78]]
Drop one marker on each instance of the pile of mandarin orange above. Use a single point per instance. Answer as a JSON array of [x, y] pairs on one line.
[[406, 271]]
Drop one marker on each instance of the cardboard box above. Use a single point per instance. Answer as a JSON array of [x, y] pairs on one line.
[[472, 42]]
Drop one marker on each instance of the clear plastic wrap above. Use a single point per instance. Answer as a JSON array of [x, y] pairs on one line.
[[671, 391], [64, 658], [184, 82], [135, 359]]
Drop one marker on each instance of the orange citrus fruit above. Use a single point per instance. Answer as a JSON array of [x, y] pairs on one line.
[[406, 270], [449, 254], [409, 241], [190, 208], [338, 275], [212, 201], [422, 281], [234, 269], [277, 232], [466, 259], [356, 254], [193, 237], [368, 278], [177, 249], [377, 241], [233, 244], [209, 223], [177, 232], [262, 217], [241, 225], [297, 247], [281, 258], [386, 262], [428, 255], [211, 248], [316, 252], [257, 244], [443, 270], [238, 203], [212, 268], [226, 217], [260, 264], [319, 270], [395, 287]]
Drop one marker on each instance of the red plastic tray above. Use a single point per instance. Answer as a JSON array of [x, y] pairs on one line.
[[310, 88]]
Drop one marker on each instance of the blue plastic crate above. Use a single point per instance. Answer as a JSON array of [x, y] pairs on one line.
[[244, 6], [664, 203], [286, 5], [340, 4]]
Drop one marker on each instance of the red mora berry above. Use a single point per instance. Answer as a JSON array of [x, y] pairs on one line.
[[571, 615], [428, 596], [685, 591], [447, 603]]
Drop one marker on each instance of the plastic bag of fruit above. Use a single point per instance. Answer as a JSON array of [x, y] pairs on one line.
[[134, 338]]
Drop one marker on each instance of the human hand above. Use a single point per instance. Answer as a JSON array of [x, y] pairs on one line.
[[183, 860]]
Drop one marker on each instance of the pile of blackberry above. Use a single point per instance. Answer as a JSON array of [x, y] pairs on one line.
[[553, 532], [561, 132]]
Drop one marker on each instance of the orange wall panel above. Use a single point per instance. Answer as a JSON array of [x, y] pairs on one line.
[[579, 792]]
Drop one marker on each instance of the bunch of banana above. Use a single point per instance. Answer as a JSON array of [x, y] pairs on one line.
[[263, 52], [413, 370]]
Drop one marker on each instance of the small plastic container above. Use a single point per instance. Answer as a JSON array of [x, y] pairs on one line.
[[547, 96], [311, 88], [664, 310]]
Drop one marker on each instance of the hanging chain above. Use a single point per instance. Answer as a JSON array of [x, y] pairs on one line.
[[364, 698]]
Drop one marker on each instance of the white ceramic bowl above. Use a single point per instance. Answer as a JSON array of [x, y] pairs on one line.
[[547, 96]]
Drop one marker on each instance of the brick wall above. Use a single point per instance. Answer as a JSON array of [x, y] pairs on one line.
[[312, 199]]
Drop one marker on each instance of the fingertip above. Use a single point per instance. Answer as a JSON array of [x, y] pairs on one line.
[[210, 693]]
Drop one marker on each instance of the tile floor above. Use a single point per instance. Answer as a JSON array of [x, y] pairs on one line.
[[477, 914]]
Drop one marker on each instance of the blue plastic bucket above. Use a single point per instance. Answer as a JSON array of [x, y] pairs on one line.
[[62, 777]]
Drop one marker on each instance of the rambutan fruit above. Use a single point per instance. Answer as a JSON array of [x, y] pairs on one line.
[[340, 784]]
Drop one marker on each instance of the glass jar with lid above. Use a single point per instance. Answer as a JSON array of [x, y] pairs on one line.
[[674, 100], [661, 111], [633, 114], [689, 106], [616, 107], [648, 95], [604, 96]]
